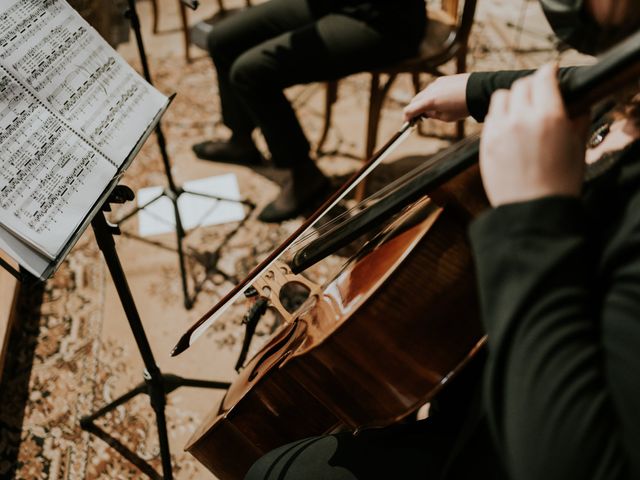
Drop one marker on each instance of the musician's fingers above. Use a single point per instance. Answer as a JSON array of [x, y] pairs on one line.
[[521, 96], [437, 115], [419, 105], [546, 89], [499, 105], [408, 112]]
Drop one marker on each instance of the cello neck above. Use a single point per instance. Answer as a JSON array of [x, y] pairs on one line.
[[580, 90]]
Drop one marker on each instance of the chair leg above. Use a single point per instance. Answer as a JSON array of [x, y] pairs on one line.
[[460, 129], [331, 96], [185, 31], [156, 15], [415, 77], [417, 87], [376, 101], [378, 95], [375, 106]]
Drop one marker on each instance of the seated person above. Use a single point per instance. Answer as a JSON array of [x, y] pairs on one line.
[[558, 266], [264, 49]]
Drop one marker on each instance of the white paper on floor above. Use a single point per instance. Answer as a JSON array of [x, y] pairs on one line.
[[195, 210]]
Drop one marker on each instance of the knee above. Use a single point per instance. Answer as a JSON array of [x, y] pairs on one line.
[[220, 48], [250, 72], [259, 470], [289, 461], [265, 465]]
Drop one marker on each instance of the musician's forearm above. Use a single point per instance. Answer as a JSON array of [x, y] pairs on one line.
[[481, 86]]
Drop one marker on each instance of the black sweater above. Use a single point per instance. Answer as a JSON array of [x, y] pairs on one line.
[[559, 282]]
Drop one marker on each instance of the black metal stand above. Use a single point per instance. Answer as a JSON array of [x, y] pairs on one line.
[[156, 384], [172, 191], [250, 321]]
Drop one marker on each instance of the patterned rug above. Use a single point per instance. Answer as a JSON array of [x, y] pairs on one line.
[[67, 357]]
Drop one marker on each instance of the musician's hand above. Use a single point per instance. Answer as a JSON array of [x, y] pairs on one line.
[[530, 148], [444, 99]]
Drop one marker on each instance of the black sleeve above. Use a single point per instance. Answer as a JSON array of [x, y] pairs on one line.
[[548, 391], [481, 86]]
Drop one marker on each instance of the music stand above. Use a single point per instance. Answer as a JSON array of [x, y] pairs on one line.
[[173, 191], [156, 384]]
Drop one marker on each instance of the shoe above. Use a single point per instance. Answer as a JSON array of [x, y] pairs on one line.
[[229, 152], [306, 188]]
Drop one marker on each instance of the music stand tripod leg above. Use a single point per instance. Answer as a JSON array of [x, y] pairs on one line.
[[156, 384], [173, 191]]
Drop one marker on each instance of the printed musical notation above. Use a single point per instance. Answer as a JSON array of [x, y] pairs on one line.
[[47, 172], [71, 112], [79, 75], [22, 21]]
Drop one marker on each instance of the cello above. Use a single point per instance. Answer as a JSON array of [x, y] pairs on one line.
[[364, 349]]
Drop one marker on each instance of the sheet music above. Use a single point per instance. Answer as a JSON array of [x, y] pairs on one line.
[[33, 261], [66, 63], [72, 112], [47, 173]]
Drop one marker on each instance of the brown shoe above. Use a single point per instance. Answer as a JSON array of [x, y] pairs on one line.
[[306, 188], [229, 152]]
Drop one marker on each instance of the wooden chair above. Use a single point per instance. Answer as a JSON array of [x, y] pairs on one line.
[[446, 38], [222, 11]]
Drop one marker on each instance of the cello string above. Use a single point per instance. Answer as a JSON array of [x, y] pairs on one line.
[[395, 184], [344, 217], [379, 195], [348, 213]]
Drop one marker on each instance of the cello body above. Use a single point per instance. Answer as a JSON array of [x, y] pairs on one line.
[[380, 339]]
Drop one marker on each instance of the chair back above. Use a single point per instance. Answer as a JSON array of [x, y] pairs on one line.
[[462, 21], [465, 19]]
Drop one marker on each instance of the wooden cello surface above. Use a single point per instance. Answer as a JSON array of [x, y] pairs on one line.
[[379, 341]]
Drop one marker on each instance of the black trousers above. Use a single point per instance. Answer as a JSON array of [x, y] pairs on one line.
[[263, 50], [454, 443]]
